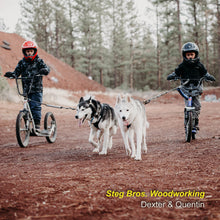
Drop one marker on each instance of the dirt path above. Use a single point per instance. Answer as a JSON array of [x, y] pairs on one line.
[[65, 180]]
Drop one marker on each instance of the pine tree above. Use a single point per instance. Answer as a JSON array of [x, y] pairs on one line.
[[104, 39], [145, 62], [215, 30], [37, 20], [133, 35], [87, 29]]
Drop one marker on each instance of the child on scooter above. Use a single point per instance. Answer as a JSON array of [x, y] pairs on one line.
[[30, 66]]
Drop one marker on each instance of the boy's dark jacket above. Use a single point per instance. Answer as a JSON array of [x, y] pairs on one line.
[[29, 69], [188, 70]]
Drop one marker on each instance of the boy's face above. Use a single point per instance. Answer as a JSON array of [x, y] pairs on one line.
[[190, 55], [29, 52]]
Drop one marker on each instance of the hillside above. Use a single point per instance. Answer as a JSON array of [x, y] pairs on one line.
[[65, 76]]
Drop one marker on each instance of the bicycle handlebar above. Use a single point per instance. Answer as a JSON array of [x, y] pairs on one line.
[[188, 80], [30, 85], [192, 89], [25, 77]]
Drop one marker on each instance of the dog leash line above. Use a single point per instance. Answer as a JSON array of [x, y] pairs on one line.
[[161, 94], [52, 106]]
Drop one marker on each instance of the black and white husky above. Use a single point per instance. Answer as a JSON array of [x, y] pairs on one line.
[[132, 121], [103, 122]]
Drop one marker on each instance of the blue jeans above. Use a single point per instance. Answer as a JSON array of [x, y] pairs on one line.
[[35, 105]]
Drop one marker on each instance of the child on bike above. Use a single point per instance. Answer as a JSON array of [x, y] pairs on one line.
[[30, 66], [191, 68]]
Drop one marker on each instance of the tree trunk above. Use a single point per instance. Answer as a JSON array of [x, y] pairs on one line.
[[72, 57], [179, 27], [218, 43], [131, 80], [114, 45], [57, 36], [196, 34], [206, 37], [100, 45], [158, 51]]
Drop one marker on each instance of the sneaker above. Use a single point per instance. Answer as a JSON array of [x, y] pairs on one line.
[[194, 130], [37, 126], [197, 124]]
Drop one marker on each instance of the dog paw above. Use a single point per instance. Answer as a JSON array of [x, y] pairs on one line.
[[96, 150], [145, 150], [137, 158], [102, 153], [128, 152], [110, 147], [133, 156]]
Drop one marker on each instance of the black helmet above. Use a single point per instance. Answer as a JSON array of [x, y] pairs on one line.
[[190, 47]]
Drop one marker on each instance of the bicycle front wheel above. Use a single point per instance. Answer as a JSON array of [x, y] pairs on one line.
[[22, 129], [188, 127], [51, 126]]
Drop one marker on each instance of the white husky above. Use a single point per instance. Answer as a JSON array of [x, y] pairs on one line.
[[132, 120]]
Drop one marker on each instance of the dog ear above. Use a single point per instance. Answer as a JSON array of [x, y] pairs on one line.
[[81, 99], [118, 100], [94, 102], [90, 99], [128, 98]]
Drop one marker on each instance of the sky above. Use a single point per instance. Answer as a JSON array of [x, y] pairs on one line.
[[10, 12]]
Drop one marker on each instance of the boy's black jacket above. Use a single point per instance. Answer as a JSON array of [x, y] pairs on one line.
[[29, 69], [194, 71]]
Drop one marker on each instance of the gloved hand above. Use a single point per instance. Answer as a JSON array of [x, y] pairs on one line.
[[209, 77], [172, 76], [43, 71], [9, 75]]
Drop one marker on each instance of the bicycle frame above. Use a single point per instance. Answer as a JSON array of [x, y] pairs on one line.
[[189, 110], [189, 107]]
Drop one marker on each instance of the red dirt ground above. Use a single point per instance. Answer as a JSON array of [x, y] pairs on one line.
[[65, 180]]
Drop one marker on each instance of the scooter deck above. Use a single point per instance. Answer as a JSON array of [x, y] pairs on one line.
[[40, 133]]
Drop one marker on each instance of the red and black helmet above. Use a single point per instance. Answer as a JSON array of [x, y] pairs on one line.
[[29, 45]]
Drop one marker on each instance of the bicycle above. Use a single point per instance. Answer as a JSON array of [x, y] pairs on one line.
[[189, 110], [25, 126]]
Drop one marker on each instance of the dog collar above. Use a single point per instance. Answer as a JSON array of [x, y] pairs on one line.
[[126, 124], [91, 119]]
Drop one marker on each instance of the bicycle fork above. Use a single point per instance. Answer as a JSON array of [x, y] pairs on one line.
[[189, 111]]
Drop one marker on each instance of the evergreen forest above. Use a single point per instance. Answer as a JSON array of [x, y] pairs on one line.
[[108, 41]]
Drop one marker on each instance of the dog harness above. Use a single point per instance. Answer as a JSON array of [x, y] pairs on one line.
[[96, 124], [104, 107]]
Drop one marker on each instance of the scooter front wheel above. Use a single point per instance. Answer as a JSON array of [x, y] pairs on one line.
[[22, 129], [51, 126]]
